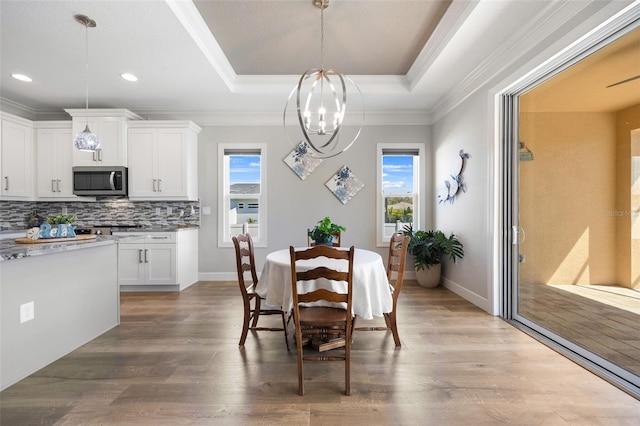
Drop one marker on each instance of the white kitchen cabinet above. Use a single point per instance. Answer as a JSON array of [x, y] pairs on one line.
[[54, 151], [110, 126], [157, 260], [163, 160], [147, 263], [16, 158]]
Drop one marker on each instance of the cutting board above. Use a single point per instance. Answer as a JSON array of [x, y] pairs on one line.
[[54, 240]]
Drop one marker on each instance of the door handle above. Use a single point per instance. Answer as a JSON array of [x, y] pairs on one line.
[[517, 230], [53, 185], [139, 256], [6, 183], [146, 255], [159, 187], [58, 184], [100, 155], [95, 156], [155, 185], [112, 183]]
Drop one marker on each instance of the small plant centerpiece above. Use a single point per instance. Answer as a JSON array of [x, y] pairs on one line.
[[60, 219], [429, 248], [324, 231], [58, 226]]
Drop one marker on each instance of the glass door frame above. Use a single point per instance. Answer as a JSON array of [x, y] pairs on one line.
[[510, 235]]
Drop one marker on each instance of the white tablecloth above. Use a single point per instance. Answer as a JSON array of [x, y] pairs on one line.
[[371, 293]]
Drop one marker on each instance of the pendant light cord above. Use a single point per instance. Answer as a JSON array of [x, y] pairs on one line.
[[86, 56], [322, 36]]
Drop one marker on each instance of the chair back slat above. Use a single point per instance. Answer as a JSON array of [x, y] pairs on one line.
[[323, 294], [322, 272]]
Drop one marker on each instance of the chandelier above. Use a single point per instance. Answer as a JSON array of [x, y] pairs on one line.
[[85, 140], [321, 106]]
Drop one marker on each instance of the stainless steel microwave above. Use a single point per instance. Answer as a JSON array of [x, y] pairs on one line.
[[100, 181]]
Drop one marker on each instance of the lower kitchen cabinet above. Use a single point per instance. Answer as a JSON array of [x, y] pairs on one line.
[[158, 261]]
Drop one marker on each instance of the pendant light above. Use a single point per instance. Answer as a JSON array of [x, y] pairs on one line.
[[321, 106], [85, 140]]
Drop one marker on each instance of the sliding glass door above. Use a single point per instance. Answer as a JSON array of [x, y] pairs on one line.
[[572, 209]]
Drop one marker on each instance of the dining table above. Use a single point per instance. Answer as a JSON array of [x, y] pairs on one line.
[[371, 291]]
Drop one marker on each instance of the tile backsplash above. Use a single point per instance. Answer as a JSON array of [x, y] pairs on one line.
[[104, 211]]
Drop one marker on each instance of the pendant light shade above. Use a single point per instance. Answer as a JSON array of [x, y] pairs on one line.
[[85, 140], [320, 115]]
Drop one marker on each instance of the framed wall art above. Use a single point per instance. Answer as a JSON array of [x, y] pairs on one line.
[[344, 184], [301, 161]]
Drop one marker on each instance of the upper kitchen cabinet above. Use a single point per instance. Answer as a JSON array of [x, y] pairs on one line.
[[16, 158], [163, 160], [110, 126], [54, 152]]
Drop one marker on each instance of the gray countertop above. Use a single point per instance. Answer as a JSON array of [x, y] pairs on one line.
[[10, 250]]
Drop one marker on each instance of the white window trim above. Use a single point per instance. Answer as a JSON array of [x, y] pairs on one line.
[[223, 214], [421, 184]]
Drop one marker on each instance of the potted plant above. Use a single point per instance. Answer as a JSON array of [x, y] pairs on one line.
[[58, 226], [60, 219], [324, 231], [429, 248]]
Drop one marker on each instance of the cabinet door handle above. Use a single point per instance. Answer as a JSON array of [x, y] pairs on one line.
[[146, 255], [53, 185], [95, 156], [159, 187], [6, 183], [100, 155], [139, 256], [154, 186], [58, 184]]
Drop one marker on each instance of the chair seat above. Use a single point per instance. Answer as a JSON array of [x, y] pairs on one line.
[[322, 316]]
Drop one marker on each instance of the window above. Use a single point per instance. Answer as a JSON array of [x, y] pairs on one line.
[[242, 192], [400, 187]]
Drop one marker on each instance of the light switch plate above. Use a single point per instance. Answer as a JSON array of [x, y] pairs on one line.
[[27, 312]]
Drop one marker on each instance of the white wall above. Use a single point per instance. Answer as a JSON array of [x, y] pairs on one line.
[[472, 125], [293, 204], [468, 215]]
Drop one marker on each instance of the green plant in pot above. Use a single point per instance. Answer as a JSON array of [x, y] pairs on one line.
[[324, 231], [429, 248], [60, 219], [58, 226]]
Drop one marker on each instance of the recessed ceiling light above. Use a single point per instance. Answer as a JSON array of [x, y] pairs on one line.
[[129, 77], [21, 77]]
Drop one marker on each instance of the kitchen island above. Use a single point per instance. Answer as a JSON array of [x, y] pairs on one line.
[[54, 298]]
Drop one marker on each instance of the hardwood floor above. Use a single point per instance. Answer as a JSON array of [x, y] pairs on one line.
[[603, 320], [175, 360]]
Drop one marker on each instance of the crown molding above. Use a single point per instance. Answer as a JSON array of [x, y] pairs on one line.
[[455, 16], [549, 19], [194, 24], [274, 118]]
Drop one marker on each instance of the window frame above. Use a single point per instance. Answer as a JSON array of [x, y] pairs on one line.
[[224, 196], [419, 183]]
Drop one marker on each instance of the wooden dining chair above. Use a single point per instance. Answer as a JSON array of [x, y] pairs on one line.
[[337, 239], [329, 326], [395, 274], [245, 263]]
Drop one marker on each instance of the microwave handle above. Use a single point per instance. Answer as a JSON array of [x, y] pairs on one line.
[[112, 182]]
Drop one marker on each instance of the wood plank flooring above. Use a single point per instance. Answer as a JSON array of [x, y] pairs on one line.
[[603, 320], [175, 360]]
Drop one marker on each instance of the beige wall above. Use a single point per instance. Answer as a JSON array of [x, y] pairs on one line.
[[628, 249], [567, 196]]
